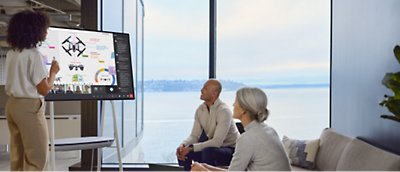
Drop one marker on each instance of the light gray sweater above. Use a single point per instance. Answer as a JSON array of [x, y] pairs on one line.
[[217, 123], [259, 149]]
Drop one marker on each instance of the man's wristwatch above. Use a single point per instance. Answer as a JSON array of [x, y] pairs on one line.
[[191, 148]]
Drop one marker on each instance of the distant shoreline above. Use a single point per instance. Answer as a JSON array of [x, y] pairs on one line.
[[196, 85], [296, 86]]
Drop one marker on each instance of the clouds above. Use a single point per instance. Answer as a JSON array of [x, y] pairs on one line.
[[238, 16], [176, 19], [258, 38]]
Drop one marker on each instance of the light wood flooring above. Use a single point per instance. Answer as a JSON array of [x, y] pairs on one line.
[[63, 160]]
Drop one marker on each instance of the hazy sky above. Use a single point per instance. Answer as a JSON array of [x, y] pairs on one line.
[[258, 41]]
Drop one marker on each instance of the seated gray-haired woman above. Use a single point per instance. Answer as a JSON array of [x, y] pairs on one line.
[[259, 147]]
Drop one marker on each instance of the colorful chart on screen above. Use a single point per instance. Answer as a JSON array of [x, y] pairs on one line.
[[89, 64]]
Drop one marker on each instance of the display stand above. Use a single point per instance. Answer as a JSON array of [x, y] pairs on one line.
[[85, 142], [115, 134]]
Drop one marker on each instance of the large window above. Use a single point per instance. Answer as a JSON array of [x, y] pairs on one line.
[[112, 21], [282, 46], [125, 16], [175, 64]]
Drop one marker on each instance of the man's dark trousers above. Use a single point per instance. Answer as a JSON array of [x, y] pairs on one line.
[[211, 155]]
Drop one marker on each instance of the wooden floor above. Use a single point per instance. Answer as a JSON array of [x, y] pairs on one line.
[[63, 160]]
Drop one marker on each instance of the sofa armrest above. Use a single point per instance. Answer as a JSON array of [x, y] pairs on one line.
[[359, 155]]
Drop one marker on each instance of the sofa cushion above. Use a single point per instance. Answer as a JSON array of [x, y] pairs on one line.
[[297, 168], [359, 155], [331, 146], [301, 152]]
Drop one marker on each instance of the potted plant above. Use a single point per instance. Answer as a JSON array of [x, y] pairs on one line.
[[392, 81]]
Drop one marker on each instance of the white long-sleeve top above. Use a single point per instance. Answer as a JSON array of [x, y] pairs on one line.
[[217, 123], [24, 71], [259, 149]]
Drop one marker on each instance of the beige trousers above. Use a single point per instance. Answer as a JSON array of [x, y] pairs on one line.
[[29, 135]]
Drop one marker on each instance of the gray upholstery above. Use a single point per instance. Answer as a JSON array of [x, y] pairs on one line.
[[331, 147], [341, 153], [359, 155], [296, 168]]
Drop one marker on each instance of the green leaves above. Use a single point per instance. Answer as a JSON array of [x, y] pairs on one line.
[[393, 105], [396, 51], [392, 81]]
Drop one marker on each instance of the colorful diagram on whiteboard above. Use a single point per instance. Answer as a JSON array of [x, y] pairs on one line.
[[85, 58], [105, 77]]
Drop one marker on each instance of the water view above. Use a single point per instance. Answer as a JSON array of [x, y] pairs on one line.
[[299, 113]]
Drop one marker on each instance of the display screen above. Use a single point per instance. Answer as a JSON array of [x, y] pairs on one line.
[[94, 65]]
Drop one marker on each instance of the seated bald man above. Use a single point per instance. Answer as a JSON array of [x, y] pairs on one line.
[[214, 133]]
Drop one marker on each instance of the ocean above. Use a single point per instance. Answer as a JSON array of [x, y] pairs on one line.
[[299, 113]]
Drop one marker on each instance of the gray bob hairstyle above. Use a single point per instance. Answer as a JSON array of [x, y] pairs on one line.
[[254, 102]]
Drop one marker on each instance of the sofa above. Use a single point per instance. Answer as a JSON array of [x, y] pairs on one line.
[[337, 152]]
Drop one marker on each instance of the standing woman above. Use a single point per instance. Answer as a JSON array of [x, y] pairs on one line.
[[259, 147], [27, 82]]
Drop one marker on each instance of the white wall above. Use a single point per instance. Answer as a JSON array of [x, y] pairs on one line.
[[363, 36]]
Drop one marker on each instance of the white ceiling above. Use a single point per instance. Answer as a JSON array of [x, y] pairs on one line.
[[62, 12], [65, 13]]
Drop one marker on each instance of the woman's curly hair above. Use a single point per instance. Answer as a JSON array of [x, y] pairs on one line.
[[26, 29]]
